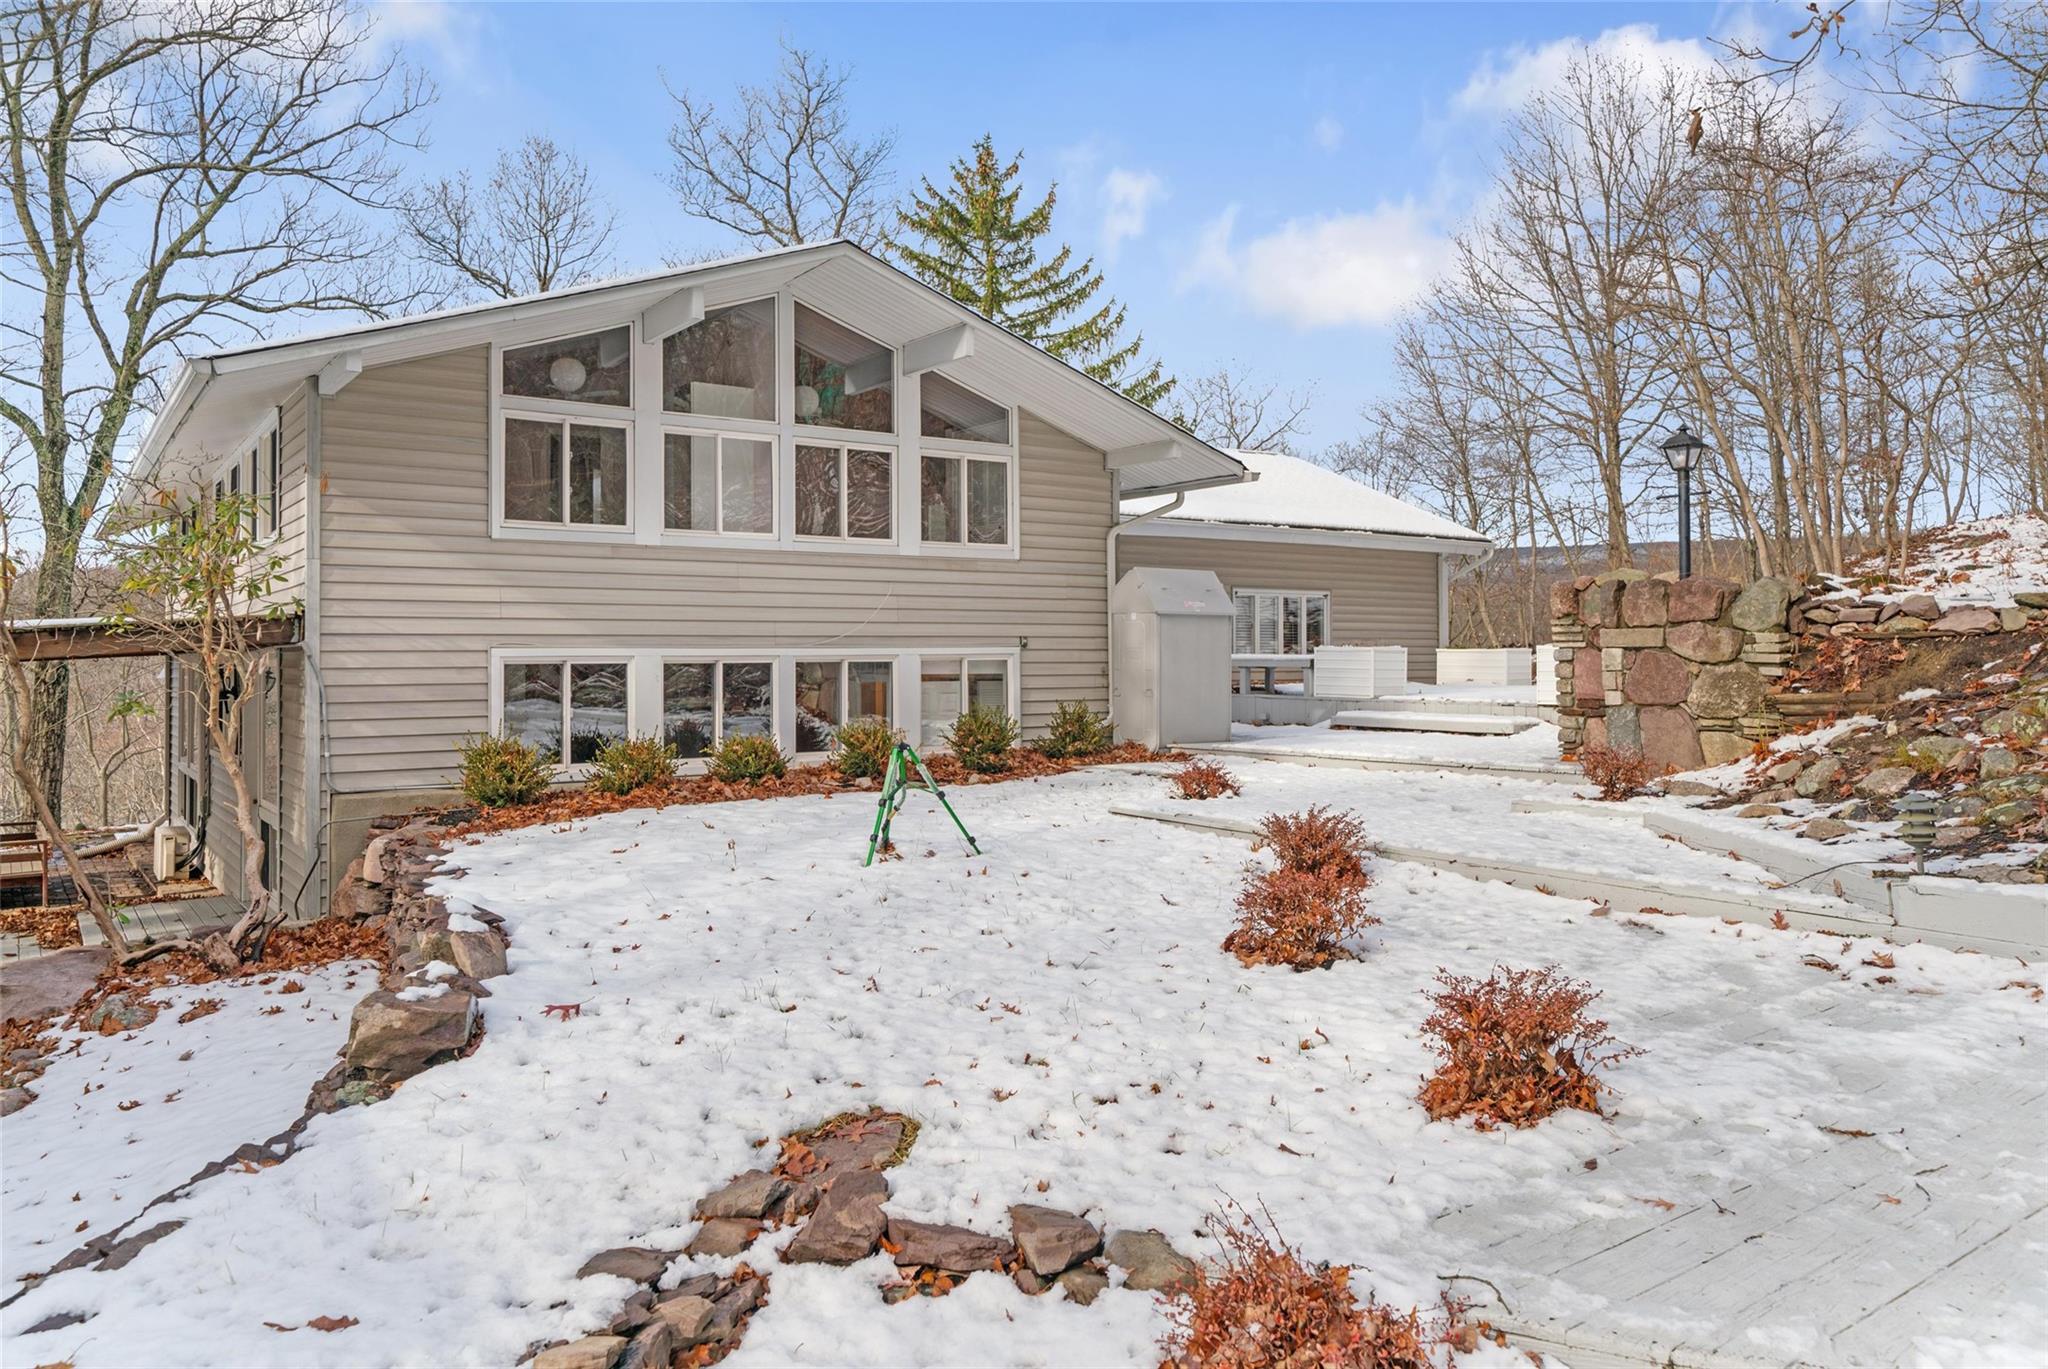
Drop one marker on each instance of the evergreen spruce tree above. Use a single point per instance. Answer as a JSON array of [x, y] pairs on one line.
[[970, 240]]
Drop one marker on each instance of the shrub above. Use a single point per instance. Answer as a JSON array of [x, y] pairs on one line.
[[1620, 772], [1515, 1047], [629, 763], [498, 772], [981, 739], [1318, 842], [864, 747], [1297, 918], [1076, 730], [1262, 1306], [1200, 779], [748, 759]]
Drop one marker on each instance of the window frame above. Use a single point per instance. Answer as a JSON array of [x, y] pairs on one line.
[[718, 661], [1254, 593], [845, 661], [1013, 681], [828, 434], [564, 411], [719, 535], [844, 535], [690, 418], [993, 456], [964, 444], [565, 421], [563, 768]]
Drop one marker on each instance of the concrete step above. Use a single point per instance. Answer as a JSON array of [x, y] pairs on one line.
[[1463, 724]]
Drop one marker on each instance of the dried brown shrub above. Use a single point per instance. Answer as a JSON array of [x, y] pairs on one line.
[[1515, 1047], [1264, 1307], [1297, 918], [1318, 842], [1200, 779], [1620, 772]]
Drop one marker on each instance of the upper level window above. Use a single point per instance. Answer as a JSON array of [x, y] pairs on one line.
[[723, 366], [961, 499], [949, 410], [718, 483], [844, 492], [596, 368], [843, 380], [553, 465]]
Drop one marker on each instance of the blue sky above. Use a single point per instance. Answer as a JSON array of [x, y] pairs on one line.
[[1264, 185]]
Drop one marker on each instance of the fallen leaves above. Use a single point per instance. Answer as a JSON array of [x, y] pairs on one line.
[[562, 1011]]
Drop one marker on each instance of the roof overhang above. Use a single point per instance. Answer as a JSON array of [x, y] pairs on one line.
[[214, 402], [1170, 526], [87, 639]]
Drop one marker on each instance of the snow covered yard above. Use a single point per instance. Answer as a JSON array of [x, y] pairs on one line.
[[1534, 746], [1058, 1017]]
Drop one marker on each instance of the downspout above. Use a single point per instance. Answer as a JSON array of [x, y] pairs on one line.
[[1109, 585]]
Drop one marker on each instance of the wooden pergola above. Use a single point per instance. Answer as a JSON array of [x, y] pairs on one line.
[[85, 639]]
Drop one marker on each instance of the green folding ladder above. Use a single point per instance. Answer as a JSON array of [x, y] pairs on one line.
[[897, 786]]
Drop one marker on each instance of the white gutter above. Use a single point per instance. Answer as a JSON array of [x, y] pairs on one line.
[[1109, 590]]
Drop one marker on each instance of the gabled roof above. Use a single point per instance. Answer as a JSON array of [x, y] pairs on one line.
[[216, 399], [1290, 494]]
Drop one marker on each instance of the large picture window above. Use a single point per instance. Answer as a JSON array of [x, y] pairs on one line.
[[566, 472], [596, 368], [542, 703], [1280, 622], [964, 500], [704, 702], [723, 366], [832, 693], [718, 483], [845, 492], [843, 380]]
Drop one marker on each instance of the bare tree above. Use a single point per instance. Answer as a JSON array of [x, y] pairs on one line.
[[1229, 408], [178, 173], [784, 168], [537, 225]]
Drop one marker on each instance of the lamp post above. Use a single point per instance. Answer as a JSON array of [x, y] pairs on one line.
[[1682, 452]]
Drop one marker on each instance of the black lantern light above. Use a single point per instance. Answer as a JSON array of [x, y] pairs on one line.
[[1682, 451]]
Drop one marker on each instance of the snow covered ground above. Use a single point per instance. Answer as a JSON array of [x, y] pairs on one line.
[[1058, 1016], [1535, 746], [1995, 558]]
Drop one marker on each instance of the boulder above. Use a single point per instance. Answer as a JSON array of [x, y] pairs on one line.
[[374, 869], [1656, 677], [1150, 1264], [2014, 787], [2031, 598], [2010, 814], [1704, 642], [1722, 748], [1825, 829], [1688, 789], [1051, 1240], [1762, 606], [652, 1347], [1960, 809], [1785, 771], [753, 1194], [2011, 619], [847, 1224], [633, 1263], [1083, 1285], [1671, 740], [1643, 604], [1621, 575], [480, 955], [1761, 810], [592, 1352], [688, 1318], [1600, 604], [869, 1143], [1625, 728], [1700, 599], [1922, 606], [719, 1237], [954, 1249], [13, 1100], [392, 1038], [636, 1313], [1725, 691], [2019, 724], [1935, 751], [118, 1012], [1564, 599], [1966, 620], [733, 1304], [1887, 782], [1996, 762], [1818, 779]]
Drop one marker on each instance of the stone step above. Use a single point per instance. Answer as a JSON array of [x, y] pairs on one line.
[[1462, 724]]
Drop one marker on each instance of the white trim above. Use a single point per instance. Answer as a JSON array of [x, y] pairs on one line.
[[682, 310], [500, 657], [340, 369], [719, 536], [1011, 547], [1280, 647], [1313, 537], [934, 350]]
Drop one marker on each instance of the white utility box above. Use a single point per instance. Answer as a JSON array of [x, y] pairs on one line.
[[1360, 672], [168, 852], [1170, 649], [1508, 665]]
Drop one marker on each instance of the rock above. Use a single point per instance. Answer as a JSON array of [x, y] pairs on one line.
[[374, 870], [754, 1194], [652, 1347], [1996, 762], [1621, 575], [1564, 599], [703, 1286], [1587, 684], [1722, 748], [1150, 1264], [1957, 836], [118, 1012], [390, 1038], [2019, 724], [1819, 778], [128, 1247], [1922, 606], [14, 1100], [1825, 829], [634, 1263], [1625, 728], [1704, 642], [592, 1352], [868, 1143], [800, 1201], [1761, 810], [1725, 691], [954, 1249], [2031, 598], [638, 1311], [1671, 740], [733, 1304], [848, 1222], [1643, 604], [1935, 751], [688, 1318], [1856, 615], [1600, 604], [57, 1321], [1656, 677], [349, 891], [1029, 1282], [719, 1237], [1960, 808], [41, 984], [1083, 1285], [480, 955], [2012, 619], [1701, 599], [1051, 1240], [360, 1093], [1687, 789], [432, 941], [1785, 771], [1762, 606], [1887, 782], [1966, 620], [2013, 787], [2010, 814]]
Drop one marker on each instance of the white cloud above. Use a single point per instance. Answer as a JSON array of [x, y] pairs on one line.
[[454, 33], [1332, 270], [1328, 133], [1127, 200], [1506, 80]]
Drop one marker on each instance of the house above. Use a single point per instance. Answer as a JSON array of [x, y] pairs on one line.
[[1311, 558], [765, 495]]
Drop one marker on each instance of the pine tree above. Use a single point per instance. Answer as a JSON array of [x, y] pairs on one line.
[[973, 243]]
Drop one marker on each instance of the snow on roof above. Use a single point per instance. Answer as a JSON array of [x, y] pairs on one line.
[[1293, 493], [1985, 561]]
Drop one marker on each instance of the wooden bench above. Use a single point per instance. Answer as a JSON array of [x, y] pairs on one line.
[[25, 859]]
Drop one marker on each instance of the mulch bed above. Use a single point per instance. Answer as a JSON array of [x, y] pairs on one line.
[[816, 780]]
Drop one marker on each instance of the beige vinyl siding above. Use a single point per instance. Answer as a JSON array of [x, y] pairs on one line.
[[1378, 597], [414, 592], [293, 826], [290, 544]]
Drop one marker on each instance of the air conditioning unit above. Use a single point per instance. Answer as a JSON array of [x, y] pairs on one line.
[[169, 851]]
